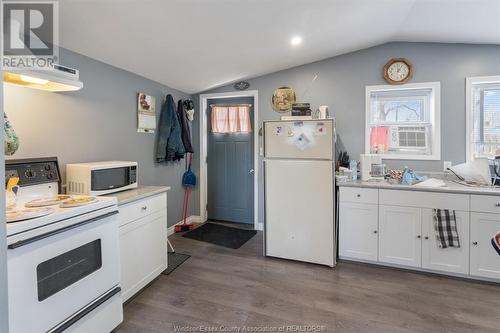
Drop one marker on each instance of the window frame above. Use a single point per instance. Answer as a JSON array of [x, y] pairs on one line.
[[469, 121], [434, 119]]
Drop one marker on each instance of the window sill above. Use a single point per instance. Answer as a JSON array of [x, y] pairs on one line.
[[410, 157]]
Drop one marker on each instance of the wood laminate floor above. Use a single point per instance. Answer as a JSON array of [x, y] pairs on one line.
[[240, 288]]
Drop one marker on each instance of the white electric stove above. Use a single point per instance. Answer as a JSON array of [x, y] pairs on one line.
[[63, 268]]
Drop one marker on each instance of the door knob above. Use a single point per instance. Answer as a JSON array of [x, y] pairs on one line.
[[474, 243], [251, 171]]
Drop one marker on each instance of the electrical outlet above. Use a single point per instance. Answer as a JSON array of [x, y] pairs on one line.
[[446, 165]]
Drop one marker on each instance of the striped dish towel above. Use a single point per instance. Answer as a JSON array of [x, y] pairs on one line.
[[445, 225]]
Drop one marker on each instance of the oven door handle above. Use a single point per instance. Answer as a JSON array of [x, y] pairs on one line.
[[58, 231], [64, 326]]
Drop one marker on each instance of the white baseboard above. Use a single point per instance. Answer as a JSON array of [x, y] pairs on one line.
[[189, 220]]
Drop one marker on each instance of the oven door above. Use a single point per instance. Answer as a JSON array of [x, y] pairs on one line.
[[54, 275]]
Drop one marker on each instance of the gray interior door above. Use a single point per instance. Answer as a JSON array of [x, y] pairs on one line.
[[230, 171]]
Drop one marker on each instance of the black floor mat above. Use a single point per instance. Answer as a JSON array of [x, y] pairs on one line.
[[175, 260], [221, 235]]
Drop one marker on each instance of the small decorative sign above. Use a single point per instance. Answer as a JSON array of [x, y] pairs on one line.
[[242, 85], [146, 113]]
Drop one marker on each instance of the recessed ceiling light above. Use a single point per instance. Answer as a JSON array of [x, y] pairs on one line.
[[297, 40]]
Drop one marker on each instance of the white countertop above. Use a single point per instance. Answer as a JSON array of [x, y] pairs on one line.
[[138, 193], [451, 187]]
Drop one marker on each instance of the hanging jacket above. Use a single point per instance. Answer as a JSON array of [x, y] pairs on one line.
[[185, 127], [170, 146]]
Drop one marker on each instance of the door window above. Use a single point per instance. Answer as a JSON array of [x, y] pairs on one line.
[[231, 119]]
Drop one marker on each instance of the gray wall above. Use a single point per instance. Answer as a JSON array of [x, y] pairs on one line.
[[341, 85], [96, 123], [4, 318]]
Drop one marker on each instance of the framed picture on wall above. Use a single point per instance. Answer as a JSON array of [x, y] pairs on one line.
[[146, 113]]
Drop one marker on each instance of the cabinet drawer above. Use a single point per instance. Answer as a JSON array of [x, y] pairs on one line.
[[420, 199], [485, 203], [359, 195], [137, 209]]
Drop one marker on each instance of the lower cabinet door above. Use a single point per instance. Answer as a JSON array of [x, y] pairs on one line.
[[484, 259], [451, 259], [400, 233], [358, 231], [143, 252]]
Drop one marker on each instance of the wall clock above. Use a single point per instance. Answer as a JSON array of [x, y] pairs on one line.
[[283, 99], [398, 71]]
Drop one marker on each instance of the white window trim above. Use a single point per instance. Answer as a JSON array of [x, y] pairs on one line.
[[435, 118], [469, 81]]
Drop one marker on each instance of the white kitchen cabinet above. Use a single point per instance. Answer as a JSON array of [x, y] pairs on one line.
[[358, 231], [143, 242], [406, 235], [451, 259], [484, 260], [400, 233]]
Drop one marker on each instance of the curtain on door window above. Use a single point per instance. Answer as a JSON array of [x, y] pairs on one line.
[[231, 119]]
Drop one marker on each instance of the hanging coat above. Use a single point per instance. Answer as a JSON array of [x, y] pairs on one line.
[[185, 127], [170, 146]]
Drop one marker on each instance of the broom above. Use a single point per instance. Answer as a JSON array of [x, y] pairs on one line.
[[188, 181]]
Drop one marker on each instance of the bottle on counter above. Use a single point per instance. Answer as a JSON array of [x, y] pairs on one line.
[[353, 166]]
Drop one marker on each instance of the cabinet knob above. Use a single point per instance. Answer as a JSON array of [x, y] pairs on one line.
[[426, 237], [474, 243], [419, 236], [144, 207], [375, 231], [497, 204], [359, 195]]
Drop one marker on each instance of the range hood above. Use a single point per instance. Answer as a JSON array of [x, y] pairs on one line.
[[58, 78]]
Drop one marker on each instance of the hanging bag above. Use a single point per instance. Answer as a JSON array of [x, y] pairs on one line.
[[10, 137], [189, 178]]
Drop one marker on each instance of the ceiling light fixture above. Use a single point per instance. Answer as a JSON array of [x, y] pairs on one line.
[[297, 40]]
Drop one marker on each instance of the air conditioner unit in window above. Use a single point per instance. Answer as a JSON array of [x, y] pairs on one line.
[[408, 138]]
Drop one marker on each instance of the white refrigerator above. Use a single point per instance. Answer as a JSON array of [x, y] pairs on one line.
[[299, 190]]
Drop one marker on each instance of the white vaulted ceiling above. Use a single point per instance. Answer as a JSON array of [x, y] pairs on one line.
[[194, 45]]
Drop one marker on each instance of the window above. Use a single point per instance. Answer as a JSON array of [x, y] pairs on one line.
[[231, 118], [402, 122], [483, 117]]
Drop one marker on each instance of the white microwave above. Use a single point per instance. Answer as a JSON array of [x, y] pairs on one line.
[[99, 178]]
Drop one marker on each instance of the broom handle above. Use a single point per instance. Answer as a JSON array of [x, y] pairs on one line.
[[186, 205]]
